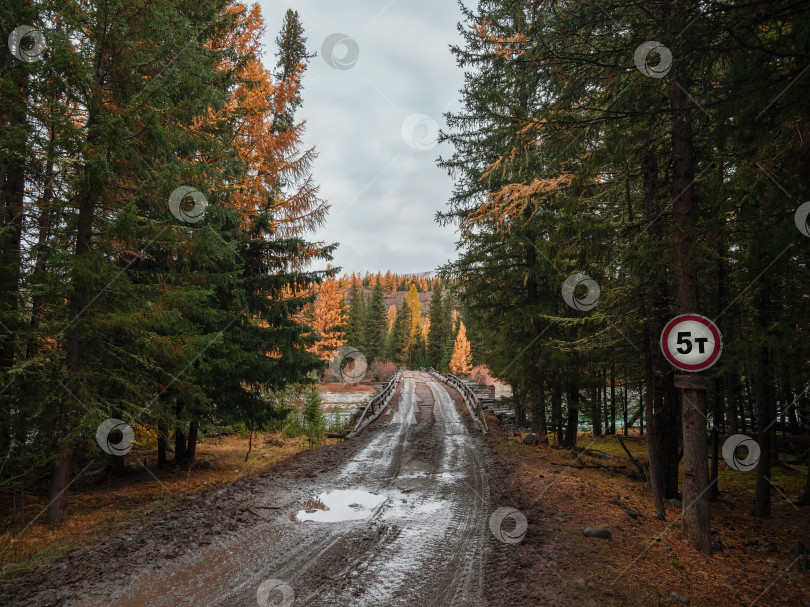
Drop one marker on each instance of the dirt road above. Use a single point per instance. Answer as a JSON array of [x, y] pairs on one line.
[[399, 516], [406, 525]]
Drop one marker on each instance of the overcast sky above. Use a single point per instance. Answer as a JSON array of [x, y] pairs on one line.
[[373, 119]]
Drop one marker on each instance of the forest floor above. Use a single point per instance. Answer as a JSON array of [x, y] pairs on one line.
[[755, 566], [103, 499]]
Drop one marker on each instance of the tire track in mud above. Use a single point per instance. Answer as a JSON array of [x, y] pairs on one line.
[[467, 556], [429, 563], [429, 550], [427, 556]]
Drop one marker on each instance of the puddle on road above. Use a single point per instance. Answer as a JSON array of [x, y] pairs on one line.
[[355, 505], [342, 505]]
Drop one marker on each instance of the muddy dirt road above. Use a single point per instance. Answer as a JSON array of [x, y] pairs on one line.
[[406, 525], [398, 516]]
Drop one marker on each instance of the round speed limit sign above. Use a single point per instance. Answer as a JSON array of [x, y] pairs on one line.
[[691, 342]]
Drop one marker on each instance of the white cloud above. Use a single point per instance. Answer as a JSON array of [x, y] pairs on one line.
[[384, 194]]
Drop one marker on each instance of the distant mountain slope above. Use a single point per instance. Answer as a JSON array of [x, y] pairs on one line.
[[394, 298]]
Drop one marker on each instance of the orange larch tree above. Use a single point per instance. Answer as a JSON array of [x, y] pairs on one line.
[[328, 319], [461, 361]]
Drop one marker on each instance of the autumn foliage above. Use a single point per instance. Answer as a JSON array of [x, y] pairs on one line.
[[327, 319], [461, 361]]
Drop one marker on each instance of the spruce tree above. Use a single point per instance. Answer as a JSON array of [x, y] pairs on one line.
[[447, 349], [356, 321], [137, 111], [376, 325], [438, 329], [419, 356], [400, 344], [292, 62]]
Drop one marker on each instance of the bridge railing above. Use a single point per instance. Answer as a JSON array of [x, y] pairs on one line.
[[469, 397], [376, 405]]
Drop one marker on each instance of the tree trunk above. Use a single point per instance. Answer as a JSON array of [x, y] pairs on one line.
[[663, 406], [747, 411], [163, 439], [556, 409], [695, 511], [667, 418], [793, 421], [624, 410], [805, 499], [725, 327], [60, 477], [603, 391], [179, 444], [92, 187], [653, 453], [12, 215], [596, 414], [572, 395], [774, 440], [519, 412], [714, 491], [641, 408], [731, 403], [714, 482], [762, 499], [535, 372], [191, 446], [612, 401], [654, 308], [12, 191], [539, 403]]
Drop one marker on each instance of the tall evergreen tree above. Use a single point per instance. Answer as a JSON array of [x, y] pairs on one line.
[[376, 325], [356, 321], [438, 328], [400, 350], [447, 349], [292, 62], [566, 162], [138, 305]]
